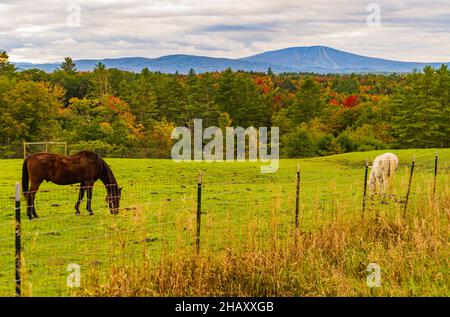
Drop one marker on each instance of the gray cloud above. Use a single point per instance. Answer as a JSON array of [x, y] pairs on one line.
[[410, 30]]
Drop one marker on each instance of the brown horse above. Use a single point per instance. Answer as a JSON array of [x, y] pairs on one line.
[[85, 168]]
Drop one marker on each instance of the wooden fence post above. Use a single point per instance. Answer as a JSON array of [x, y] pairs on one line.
[[297, 198], [366, 169], [199, 210], [18, 247], [435, 173], [409, 185]]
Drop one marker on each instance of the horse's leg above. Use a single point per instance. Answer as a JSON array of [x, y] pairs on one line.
[[372, 188], [377, 186], [80, 198], [383, 184], [29, 205], [89, 188], [388, 186], [391, 185], [32, 195]]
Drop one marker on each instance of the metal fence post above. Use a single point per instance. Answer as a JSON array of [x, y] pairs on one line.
[[366, 168], [409, 185], [199, 210], [435, 173], [18, 247], [297, 198]]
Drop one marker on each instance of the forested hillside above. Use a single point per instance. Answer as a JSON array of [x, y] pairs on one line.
[[120, 113]]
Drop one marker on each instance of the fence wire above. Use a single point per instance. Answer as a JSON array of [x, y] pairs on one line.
[[240, 209]]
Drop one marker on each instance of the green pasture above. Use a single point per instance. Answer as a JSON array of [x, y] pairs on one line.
[[240, 206]]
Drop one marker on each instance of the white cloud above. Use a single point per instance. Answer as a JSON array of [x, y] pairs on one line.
[[37, 30]]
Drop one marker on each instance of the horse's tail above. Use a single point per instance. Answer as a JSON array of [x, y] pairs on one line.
[[25, 177], [389, 167], [393, 162], [392, 166]]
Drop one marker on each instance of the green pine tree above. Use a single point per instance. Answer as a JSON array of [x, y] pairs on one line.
[[307, 104]]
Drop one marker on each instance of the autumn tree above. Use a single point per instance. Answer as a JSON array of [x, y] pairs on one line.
[[74, 84], [29, 111], [158, 139]]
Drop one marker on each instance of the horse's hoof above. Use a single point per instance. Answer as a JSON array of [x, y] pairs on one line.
[[91, 213], [77, 213]]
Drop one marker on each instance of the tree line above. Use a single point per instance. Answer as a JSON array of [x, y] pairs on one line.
[[122, 113]]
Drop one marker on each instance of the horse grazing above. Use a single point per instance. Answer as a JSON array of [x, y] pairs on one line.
[[383, 172], [85, 168]]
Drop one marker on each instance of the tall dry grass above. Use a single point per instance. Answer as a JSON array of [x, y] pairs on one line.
[[330, 260]]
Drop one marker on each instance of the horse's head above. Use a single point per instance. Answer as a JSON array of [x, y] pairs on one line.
[[113, 198]]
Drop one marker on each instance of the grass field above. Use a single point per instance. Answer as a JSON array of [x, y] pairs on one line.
[[241, 208]]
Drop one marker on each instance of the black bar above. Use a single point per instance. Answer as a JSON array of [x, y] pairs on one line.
[[297, 199], [220, 306], [365, 188], [18, 256], [409, 186], [199, 211]]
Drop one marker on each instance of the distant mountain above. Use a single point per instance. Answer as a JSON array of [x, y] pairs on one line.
[[322, 59], [317, 59], [164, 64]]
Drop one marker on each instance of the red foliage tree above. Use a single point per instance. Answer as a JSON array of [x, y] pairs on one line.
[[351, 101]]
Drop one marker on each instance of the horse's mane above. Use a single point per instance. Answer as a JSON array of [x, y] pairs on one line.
[[107, 175]]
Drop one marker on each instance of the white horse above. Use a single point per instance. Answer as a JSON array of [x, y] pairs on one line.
[[382, 174]]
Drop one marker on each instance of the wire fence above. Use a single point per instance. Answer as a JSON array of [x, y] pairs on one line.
[[238, 209]]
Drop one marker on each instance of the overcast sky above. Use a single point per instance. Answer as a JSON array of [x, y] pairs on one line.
[[47, 31]]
